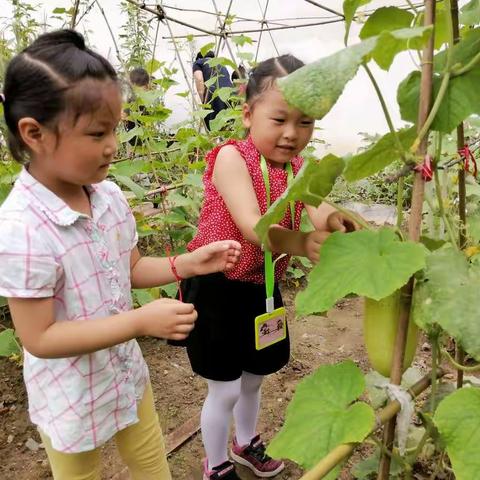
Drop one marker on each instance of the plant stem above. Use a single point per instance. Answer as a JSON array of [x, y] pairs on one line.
[[443, 86], [466, 68], [433, 393], [400, 187], [388, 118], [458, 366], [438, 192]]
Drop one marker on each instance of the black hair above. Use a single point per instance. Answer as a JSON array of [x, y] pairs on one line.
[[239, 73], [266, 72], [42, 81], [209, 54], [140, 77]]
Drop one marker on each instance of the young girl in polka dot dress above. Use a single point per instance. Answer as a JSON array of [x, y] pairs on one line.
[[222, 347]]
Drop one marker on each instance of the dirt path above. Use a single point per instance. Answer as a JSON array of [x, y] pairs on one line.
[[179, 395]]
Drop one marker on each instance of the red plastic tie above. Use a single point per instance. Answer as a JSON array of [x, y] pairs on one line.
[[178, 278], [425, 168], [467, 155]]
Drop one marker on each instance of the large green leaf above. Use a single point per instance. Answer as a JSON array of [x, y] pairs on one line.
[[8, 344], [470, 13], [449, 296], [386, 18], [368, 263], [349, 9], [462, 98], [311, 185], [377, 157], [316, 87], [321, 416], [458, 421]]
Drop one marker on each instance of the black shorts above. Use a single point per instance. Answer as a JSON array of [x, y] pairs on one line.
[[222, 344]]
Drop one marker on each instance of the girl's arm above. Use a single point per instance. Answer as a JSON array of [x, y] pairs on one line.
[[234, 184], [149, 272], [328, 218], [45, 337]]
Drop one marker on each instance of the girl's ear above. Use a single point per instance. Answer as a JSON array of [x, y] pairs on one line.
[[247, 115], [32, 134]]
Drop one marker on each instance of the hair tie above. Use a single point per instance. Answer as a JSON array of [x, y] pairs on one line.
[[2, 98]]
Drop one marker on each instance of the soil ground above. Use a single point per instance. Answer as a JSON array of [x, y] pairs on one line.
[[179, 393]]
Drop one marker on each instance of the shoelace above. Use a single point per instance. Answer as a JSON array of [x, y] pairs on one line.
[[258, 453]]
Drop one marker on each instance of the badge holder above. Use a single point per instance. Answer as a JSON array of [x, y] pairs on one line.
[[271, 327]]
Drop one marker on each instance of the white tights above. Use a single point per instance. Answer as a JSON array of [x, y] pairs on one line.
[[239, 397]]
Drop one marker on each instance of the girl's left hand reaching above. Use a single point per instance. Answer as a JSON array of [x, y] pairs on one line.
[[215, 257]]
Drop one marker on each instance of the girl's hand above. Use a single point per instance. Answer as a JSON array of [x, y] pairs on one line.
[[313, 243], [338, 222], [215, 257], [167, 318]]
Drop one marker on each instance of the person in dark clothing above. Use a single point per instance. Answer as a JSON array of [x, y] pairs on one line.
[[202, 72], [139, 78]]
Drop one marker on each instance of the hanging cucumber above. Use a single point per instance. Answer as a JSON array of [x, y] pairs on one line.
[[380, 325]]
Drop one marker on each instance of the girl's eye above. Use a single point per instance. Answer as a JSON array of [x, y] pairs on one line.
[[307, 123], [97, 134], [278, 120]]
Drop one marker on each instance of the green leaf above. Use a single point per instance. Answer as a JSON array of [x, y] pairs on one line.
[[312, 184], [226, 62], [131, 185], [349, 9], [142, 296], [8, 344], [470, 13], [316, 87], [386, 18], [241, 40], [321, 416], [59, 10], [372, 264], [368, 468], [462, 98], [377, 157], [448, 296], [206, 48], [390, 43], [153, 65], [458, 422]]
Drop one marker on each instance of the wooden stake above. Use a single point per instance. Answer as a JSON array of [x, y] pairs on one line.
[[459, 353], [414, 227]]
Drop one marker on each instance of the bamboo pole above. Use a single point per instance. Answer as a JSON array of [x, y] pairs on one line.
[[340, 453], [74, 14], [459, 353], [414, 227]]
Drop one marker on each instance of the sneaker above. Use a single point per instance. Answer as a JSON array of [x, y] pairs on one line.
[[225, 471], [254, 457]]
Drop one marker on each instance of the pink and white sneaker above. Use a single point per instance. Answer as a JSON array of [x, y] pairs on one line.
[[254, 457], [225, 471]]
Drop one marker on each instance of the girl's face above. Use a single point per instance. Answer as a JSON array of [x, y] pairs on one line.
[[82, 149], [279, 131]]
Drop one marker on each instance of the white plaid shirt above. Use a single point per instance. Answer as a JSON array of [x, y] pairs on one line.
[[49, 250]]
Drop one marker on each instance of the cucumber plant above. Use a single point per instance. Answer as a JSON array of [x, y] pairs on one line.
[[442, 270]]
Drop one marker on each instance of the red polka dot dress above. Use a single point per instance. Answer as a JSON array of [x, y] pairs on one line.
[[216, 222], [222, 344]]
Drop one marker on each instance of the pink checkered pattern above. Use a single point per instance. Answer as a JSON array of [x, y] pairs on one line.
[[49, 250]]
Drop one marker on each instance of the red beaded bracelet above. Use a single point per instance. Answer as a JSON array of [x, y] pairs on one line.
[[178, 278]]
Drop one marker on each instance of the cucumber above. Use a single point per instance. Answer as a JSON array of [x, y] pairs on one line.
[[380, 325]]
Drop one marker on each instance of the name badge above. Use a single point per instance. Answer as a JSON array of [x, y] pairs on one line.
[[270, 328]]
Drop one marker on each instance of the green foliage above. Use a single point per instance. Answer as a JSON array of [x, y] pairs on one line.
[[316, 87], [380, 155], [8, 343], [470, 13], [349, 9], [368, 263], [311, 185], [447, 295], [458, 422], [386, 18], [324, 413], [462, 98]]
